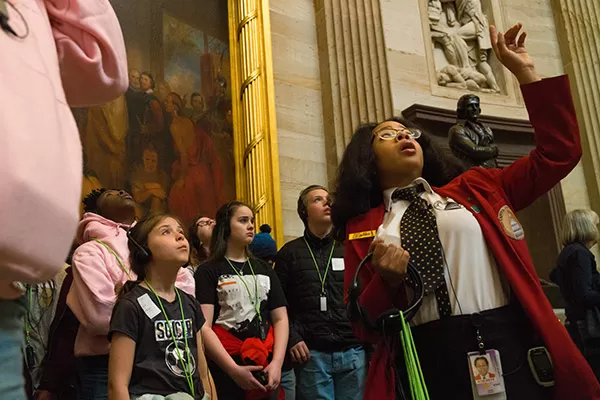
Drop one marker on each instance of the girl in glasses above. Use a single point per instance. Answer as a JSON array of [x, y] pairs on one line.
[[200, 234]]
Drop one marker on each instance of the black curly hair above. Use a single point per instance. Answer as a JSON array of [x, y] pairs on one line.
[[357, 187], [90, 202]]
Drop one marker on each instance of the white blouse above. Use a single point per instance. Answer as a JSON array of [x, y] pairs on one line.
[[474, 282]]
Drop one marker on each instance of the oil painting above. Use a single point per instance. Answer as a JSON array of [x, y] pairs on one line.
[[169, 139]]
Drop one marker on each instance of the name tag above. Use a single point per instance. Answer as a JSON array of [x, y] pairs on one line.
[[150, 309], [486, 375], [362, 235], [337, 264]]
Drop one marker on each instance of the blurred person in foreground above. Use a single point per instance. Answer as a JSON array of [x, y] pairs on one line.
[[56, 54]]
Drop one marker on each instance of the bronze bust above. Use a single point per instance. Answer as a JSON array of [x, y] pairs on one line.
[[470, 140]]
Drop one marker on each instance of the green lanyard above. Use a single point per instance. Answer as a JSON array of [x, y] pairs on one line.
[[255, 301], [116, 256], [321, 278], [188, 374], [28, 315], [418, 388]]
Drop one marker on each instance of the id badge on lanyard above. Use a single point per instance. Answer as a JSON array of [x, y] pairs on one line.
[[485, 369], [323, 302], [322, 278]]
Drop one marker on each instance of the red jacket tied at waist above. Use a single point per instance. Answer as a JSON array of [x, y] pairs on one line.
[[252, 351]]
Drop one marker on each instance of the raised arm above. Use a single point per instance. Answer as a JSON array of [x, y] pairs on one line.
[[91, 51], [552, 114]]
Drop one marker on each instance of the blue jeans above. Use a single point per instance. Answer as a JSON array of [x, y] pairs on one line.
[[12, 383], [288, 384], [92, 378], [332, 376]]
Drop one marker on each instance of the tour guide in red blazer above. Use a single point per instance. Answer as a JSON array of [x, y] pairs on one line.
[[485, 192]]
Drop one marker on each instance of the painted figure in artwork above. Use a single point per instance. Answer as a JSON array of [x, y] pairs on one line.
[[196, 173], [149, 184]]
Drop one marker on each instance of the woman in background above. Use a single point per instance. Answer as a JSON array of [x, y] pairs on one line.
[[578, 278], [200, 234]]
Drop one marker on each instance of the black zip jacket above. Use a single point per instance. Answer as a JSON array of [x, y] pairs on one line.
[[326, 331]]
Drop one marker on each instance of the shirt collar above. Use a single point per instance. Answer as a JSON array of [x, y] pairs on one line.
[[315, 241], [387, 193]]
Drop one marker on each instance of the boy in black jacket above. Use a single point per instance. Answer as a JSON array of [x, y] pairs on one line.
[[329, 361]]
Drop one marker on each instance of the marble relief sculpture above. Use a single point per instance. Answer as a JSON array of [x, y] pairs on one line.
[[461, 30]]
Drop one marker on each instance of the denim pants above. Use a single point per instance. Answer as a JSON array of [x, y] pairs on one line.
[[332, 376], [92, 378], [288, 384], [12, 383]]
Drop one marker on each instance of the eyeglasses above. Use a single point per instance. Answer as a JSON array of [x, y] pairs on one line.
[[391, 134], [204, 223]]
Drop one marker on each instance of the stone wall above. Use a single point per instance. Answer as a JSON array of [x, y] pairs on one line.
[[298, 104]]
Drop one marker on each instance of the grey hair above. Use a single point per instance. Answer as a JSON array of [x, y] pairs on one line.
[[579, 226]]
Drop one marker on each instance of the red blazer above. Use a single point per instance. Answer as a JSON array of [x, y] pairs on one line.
[[493, 196]]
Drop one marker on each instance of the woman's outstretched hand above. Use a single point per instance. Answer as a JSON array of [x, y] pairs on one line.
[[510, 50]]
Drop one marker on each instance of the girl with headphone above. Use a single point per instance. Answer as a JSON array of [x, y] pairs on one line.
[[155, 331], [244, 304]]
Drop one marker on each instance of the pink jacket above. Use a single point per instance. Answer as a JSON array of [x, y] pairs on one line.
[[97, 276], [74, 55]]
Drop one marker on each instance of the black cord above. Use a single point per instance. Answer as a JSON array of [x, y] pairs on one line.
[[461, 311], [5, 26], [450, 278]]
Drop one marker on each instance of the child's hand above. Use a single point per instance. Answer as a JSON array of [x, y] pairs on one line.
[[273, 371]]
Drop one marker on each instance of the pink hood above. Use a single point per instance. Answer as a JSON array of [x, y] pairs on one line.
[[97, 277], [74, 55]]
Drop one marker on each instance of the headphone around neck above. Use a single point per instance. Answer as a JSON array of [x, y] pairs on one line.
[[389, 322], [139, 254]]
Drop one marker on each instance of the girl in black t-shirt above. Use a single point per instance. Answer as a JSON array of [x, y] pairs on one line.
[[244, 304], [155, 330]]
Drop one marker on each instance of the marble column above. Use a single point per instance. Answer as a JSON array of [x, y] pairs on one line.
[[354, 75], [578, 28]]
